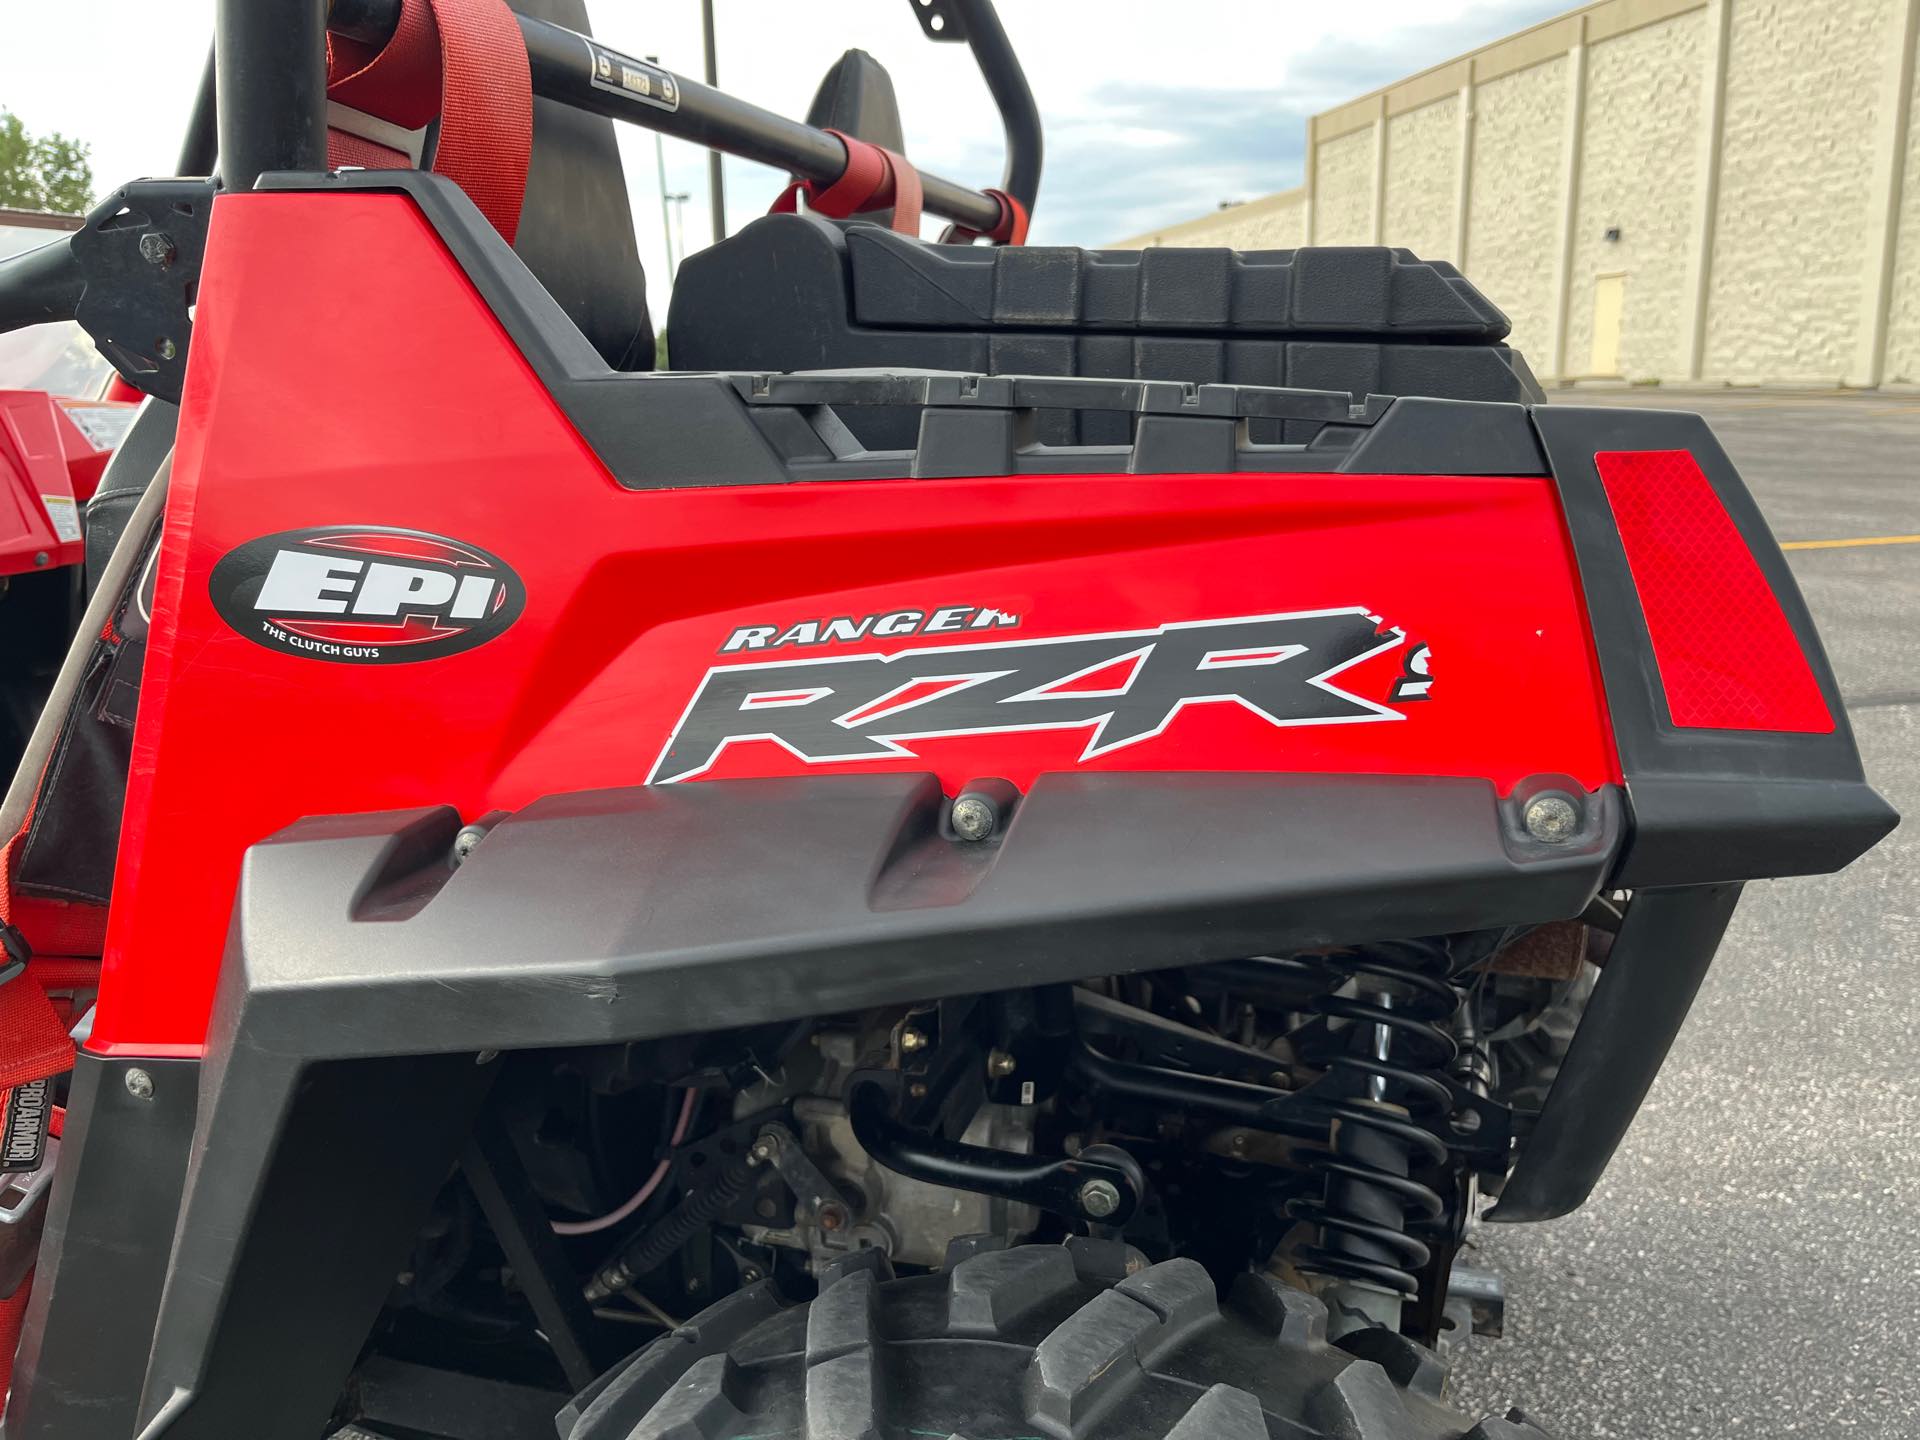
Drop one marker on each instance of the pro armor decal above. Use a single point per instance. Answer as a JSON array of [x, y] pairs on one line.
[[23, 1125], [1123, 687], [365, 594]]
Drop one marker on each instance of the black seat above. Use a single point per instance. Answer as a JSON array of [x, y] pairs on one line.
[[576, 226]]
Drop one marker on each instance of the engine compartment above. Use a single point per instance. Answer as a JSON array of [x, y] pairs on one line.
[[1334, 1120]]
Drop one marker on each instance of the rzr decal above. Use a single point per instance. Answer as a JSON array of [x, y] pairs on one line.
[[1125, 687], [1416, 681], [365, 594], [888, 624]]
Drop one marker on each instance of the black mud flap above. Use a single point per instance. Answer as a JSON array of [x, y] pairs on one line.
[[366, 974]]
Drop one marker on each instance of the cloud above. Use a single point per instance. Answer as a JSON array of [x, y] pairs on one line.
[[1231, 144]]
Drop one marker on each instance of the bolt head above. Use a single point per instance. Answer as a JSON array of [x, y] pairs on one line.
[[1552, 818], [139, 1084], [165, 348], [1000, 1064], [156, 248], [912, 1040], [1099, 1198], [974, 817], [763, 1151], [469, 837], [832, 1217]]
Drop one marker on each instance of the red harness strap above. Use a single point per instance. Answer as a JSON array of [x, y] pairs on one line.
[[34, 1046], [462, 61], [875, 178], [1009, 229]]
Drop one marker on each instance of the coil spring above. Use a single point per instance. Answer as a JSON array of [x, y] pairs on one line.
[[1381, 1113], [651, 1249]]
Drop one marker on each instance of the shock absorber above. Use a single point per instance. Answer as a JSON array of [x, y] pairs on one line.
[[1383, 1101]]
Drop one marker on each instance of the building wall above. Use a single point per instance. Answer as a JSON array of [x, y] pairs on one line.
[[1802, 91], [1903, 320], [1753, 162], [1423, 160], [1642, 117], [1343, 190], [1273, 222], [1513, 216]]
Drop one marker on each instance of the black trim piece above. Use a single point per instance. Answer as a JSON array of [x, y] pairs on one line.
[[682, 908], [1325, 292], [798, 292], [682, 430], [277, 1275], [1652, 974], [103, 1255], [140, 252], [678, 908], [1709, 806]]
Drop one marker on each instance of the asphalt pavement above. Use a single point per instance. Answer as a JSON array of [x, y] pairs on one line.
[[1750, 1264]]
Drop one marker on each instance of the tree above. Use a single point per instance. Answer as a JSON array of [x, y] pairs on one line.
[[45, 173]]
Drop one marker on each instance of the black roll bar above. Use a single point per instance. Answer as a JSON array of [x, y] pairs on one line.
[[270, 66], [267, 111], [581, 72], [1013, 97]]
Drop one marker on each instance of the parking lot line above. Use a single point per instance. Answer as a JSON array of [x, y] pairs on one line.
[[1849, 544]]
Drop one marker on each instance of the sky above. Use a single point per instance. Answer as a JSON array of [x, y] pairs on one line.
[[1155, 110]]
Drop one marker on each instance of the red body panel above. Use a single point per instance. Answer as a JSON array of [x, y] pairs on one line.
[[328, 392], [39, 509]]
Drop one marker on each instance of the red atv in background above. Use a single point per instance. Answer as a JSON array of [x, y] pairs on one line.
[[1020, 848], [60, 420]]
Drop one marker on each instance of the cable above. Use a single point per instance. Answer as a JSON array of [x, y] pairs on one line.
[[640, 1196]]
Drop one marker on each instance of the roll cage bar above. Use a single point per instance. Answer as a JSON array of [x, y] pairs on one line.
[[262, 107]]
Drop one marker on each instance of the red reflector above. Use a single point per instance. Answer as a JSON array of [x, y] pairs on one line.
[[1728, 658]]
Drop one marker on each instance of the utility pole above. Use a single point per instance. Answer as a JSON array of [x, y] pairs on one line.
[[716, 183], [679, 203], [660, 170]]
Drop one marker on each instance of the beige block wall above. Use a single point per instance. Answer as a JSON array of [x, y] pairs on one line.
[[1423, 162], [1903, 318], [1809, 144], [1273, 222], [1513, 218], [1638, 163], [1343, 190], [1803, 86]]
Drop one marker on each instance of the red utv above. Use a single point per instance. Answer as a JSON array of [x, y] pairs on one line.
[[1019, 848]]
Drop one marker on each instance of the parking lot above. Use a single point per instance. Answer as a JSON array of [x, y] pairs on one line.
[[1750, 1263]]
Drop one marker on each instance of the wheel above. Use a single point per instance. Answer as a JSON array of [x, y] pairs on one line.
[[1528, 1062], [1076, 1340]]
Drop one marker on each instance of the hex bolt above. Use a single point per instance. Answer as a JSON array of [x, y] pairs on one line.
[[165, 348], [1099, 1198], [974, 816], [139, 1084], [763, 1151], [833, 1217], [912, 1040], [1000, 1064], [156, 248], [1552, 818]]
